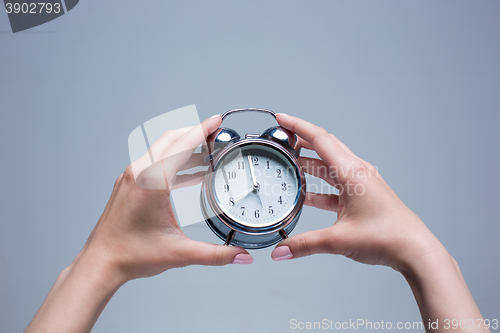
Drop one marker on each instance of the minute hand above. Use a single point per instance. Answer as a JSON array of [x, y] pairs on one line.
[[254, 181]]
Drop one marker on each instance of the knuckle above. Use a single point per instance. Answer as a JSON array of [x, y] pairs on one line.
[[128, 174], [184, 144], [166, 134], [331, 206], [217, 257], [372, 170], [330, 242], [364, 170], [355, 171], [118, 180], [359, 170], [303, 246], [320, 134]]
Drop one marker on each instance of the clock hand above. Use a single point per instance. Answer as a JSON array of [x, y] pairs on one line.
[[254, 188], [258, 196], [243, 196], [255, 185], [254, 181]]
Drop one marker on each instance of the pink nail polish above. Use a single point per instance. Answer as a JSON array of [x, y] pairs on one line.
[[281, 114], [242, 259], [281, 253], [216, 116]]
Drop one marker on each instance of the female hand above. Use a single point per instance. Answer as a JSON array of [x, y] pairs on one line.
[[374, 227], [136, 236]]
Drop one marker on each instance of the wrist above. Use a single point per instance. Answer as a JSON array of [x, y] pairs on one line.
[[418, 249], [426, 259], [78, 297], [438, 286], [436, 262], [97, 270]]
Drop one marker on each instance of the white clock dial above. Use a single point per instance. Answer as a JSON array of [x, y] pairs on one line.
[[258, 193]]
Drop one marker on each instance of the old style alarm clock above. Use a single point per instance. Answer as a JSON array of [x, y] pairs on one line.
[[254, 191]]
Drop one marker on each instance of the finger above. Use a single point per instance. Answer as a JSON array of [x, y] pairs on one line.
[[201, 253], [181, 150], [153, 177], [308, 243], [327, 148], [341, 144], [161, 146], [157, 150], [322, 201], [196, 136], [195, 160], [150, 172], [317, 168], [301, 143], [307, 145], [188, 180]]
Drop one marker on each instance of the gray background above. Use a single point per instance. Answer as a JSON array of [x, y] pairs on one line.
[[412, 87]]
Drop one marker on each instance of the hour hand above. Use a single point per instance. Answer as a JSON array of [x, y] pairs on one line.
[[240, 198]]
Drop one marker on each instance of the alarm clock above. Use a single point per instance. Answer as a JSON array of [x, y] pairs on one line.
[[253, 193]]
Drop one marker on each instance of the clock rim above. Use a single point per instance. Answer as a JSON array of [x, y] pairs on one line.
[[242, 226]]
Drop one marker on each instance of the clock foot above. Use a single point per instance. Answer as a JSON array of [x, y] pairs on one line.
[[229, 238], [283, 234]]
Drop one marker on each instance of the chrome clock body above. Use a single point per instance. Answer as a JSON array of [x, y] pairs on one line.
[[254, 192]]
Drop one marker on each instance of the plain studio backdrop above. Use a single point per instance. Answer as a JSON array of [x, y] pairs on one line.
[[410, 86]]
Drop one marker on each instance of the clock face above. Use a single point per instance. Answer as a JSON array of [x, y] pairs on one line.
[[256, 185]]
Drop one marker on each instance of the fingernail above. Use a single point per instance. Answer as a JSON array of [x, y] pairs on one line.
[[281, 253], [216, 116], [242, 259], [281, 114]]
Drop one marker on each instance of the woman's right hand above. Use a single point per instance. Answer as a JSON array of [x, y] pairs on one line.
[[373, 225]]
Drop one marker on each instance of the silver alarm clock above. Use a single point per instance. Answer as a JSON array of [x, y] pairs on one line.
[[254, 191]]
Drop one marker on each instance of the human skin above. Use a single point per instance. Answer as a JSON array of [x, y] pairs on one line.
[[373, 226], [138, 236]]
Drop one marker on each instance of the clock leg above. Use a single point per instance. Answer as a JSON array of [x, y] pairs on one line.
[[283, 234], [229, 238]]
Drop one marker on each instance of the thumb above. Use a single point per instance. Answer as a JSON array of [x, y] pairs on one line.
[[201, 253], [306, 244]]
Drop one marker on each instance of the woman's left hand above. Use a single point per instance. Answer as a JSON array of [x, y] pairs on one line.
[[136, 236]]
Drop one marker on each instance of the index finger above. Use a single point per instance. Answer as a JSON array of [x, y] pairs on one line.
[[328, 149], [171, 152], [183, 147]]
